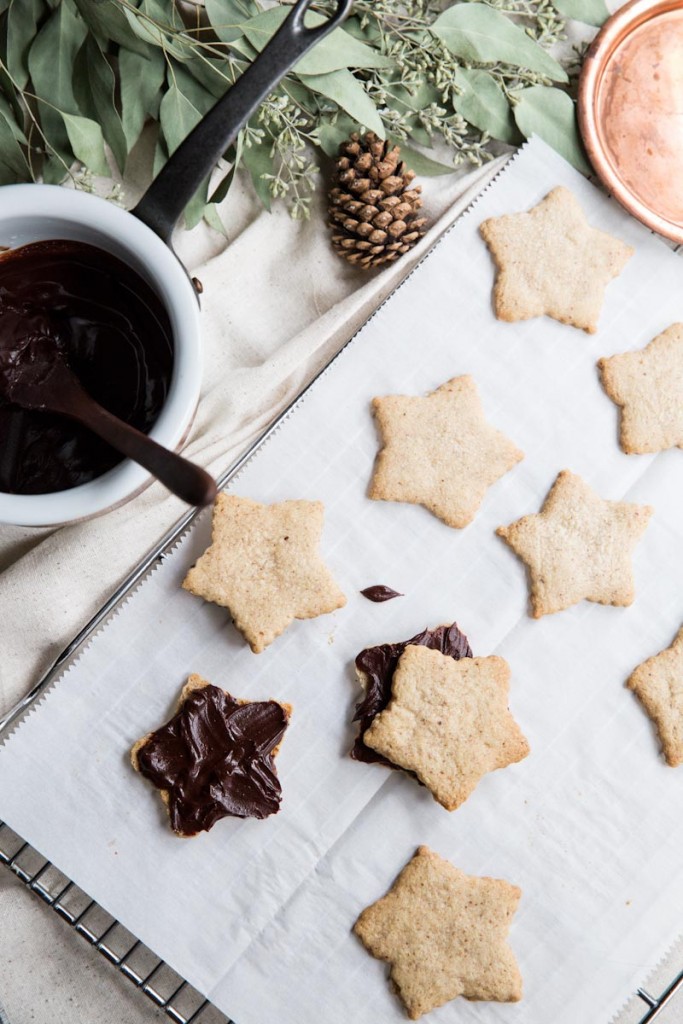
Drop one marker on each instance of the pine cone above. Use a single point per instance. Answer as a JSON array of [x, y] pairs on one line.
[[371, 203]]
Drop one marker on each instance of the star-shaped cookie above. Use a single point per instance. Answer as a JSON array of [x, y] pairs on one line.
[[578, 546], [439, 451], [264, 566], [658, 684], [214, 758], [448, 722], [444, 934], [551, 261], [648, 385]]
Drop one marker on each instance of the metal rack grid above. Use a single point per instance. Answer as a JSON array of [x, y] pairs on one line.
[[151, 975], [181, 1003]]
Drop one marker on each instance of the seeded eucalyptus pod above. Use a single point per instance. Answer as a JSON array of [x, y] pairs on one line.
[[373, 204]]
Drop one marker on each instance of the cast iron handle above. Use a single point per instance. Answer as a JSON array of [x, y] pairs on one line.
[[164, 201]]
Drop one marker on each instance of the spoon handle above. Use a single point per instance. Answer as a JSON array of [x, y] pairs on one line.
[[189, 482]]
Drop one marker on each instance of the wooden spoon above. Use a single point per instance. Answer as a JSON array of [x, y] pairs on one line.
[[34, 375]]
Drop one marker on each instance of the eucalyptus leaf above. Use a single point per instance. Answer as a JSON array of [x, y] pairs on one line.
[[107, 19], [482, 102], [244, 48], [330, 136], [213, 73], [160, 154], [223, 187], [21, 24], [12, 156], [258, 161], [550, 114], [414, 99], [477, 32], [151, 26], [194, 211], [50, 60], [348, 93], [334, 52], [140, 83], [423, 165], [177, 116], [94, 89], [87, 142], [226, 18], [212, 218], [200, 97], [9, 114], [591, 12]]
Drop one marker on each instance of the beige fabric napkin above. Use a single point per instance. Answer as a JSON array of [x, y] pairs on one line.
[[277, 305]]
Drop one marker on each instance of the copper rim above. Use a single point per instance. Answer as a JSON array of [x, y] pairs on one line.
[[597, 61]]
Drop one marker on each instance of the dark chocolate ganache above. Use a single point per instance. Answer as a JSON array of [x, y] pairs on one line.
[[380, 593], [113, 332], [378, 664], [215, 758]]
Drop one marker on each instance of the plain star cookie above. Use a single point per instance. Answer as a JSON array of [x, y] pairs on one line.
[[578, 546], [648, 385], [551, 261], [444, 933], [448, 722], [264, 566], [658, 684], [439, 451]]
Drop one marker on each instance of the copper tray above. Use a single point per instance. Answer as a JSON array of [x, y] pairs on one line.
[[630, 110]]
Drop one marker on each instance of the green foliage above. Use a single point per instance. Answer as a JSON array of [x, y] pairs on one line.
[[79, 79]]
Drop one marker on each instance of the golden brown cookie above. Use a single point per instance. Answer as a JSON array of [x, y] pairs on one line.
[[648, 385], [579, 546], [214, 758], [448, 722], [439, 451], [658, 684], [551, 262], [444, 934], [264, 566]]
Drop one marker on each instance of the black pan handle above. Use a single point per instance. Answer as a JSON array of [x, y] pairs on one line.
[[164, 201]]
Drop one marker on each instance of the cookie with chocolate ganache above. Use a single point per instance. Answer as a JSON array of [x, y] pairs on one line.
[[448, 722], [214, 758], [375, 667]]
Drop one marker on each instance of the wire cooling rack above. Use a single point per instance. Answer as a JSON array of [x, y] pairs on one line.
[[163, 986]]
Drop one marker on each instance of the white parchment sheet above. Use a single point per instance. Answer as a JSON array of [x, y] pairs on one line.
[[258, 915]]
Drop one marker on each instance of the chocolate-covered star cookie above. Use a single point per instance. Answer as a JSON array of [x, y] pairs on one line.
[[375, 667], [214, 758]]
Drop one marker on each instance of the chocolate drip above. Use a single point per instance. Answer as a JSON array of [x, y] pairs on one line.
[[380, 593]]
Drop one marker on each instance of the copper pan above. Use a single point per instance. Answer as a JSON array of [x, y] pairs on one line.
[[630, 110]]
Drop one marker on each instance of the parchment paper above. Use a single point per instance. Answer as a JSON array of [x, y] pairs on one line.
[[257, 915]]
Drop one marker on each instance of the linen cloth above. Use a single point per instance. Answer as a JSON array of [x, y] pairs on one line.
[[277, 305]]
